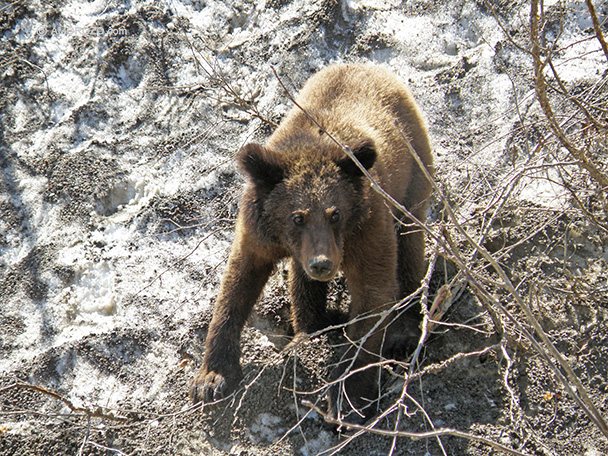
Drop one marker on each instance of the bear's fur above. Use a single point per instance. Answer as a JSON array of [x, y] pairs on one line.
[[307, 200]]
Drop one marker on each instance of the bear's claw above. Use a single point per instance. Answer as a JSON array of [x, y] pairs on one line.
[[210, 387]]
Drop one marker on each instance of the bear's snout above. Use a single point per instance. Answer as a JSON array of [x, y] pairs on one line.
[[321, 268]]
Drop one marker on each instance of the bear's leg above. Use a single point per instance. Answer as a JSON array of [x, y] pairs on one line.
[[370, 267], [308, 299], [410, 237], [410, 254], [242, 283], [404, 332]]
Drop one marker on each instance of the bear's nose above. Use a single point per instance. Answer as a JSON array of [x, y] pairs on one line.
[[320, 266]]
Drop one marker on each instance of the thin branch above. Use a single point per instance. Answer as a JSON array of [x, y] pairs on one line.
[[438, 367], [597, 27], [213, 73], [543, 98], [415, 435], [46, 81], [91, 412]]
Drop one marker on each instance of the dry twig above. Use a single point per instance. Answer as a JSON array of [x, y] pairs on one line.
[[543, 98], [91, 412], [596, 26], [415, 435]]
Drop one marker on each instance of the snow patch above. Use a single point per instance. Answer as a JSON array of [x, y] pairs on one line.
[[266, 428]]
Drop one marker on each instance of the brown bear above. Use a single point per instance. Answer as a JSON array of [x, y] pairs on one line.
[[307, 200]]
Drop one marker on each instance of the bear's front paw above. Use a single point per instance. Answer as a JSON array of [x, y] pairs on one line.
[[353, 399], [212, 387], [402, 337]]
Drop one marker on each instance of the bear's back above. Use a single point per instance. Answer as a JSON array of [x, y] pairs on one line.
[[352, 102]]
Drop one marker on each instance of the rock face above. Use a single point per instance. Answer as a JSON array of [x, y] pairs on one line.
[[118, 193]]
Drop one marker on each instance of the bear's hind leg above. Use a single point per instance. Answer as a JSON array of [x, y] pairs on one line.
[[410, 257], [403, 333]]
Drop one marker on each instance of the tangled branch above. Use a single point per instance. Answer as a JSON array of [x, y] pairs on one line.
[[543, 97], [414, 435]]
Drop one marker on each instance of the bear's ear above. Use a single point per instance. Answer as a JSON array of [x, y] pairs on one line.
[[365, 152], [263, 166]]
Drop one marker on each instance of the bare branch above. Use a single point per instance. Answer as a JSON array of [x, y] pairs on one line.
[[92, 412], [414, 435], [597, 27], [543, 98]]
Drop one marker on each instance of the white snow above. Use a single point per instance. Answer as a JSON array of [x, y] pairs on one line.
[[266, 428]]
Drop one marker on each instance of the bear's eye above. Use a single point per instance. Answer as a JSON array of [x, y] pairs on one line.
[[298, 219], [335, 216]]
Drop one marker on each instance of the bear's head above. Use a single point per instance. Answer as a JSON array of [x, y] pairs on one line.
[[305, 196]]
